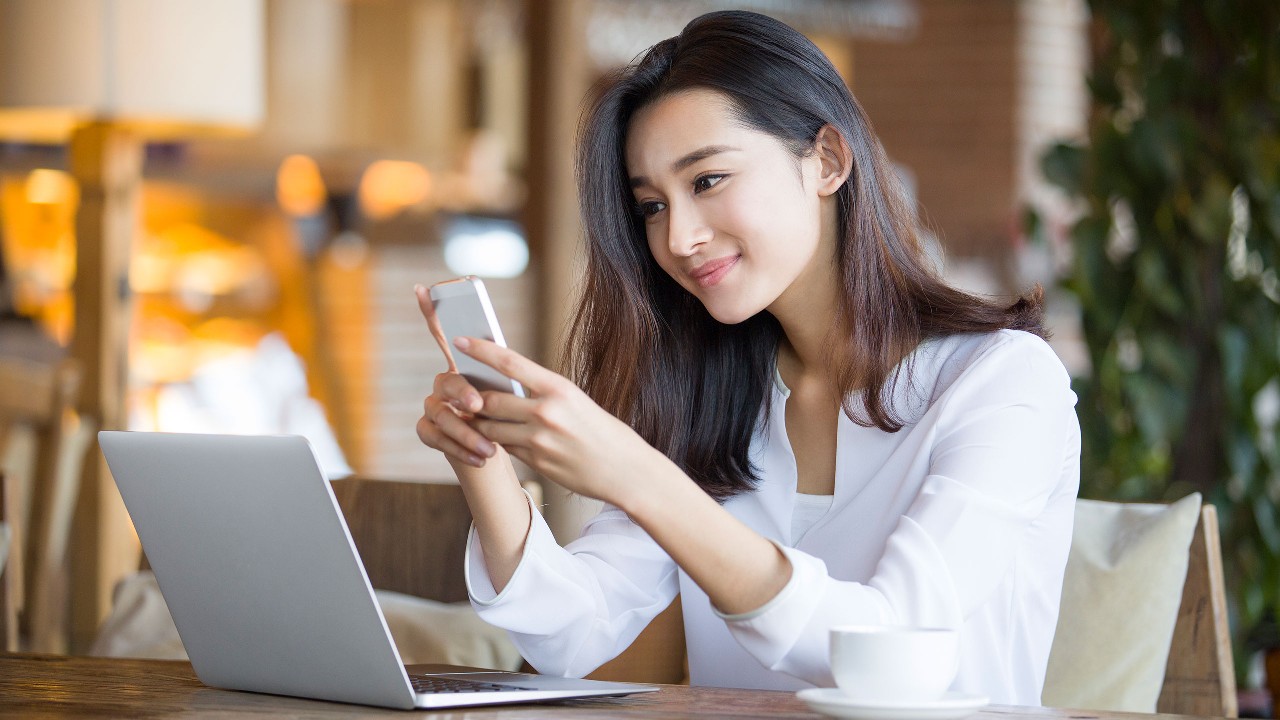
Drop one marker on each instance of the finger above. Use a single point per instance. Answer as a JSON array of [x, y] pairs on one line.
[[428, 310], [462, 433], [505, 433], [431, 436], [459, 392], [510, 363], [506, 406]]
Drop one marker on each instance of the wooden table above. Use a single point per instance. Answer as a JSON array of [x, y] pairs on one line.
[[46, 687]]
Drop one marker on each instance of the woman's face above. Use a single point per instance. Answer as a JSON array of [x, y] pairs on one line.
[[730, 213]]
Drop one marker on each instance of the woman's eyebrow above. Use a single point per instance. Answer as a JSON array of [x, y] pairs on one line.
[[700, 154]]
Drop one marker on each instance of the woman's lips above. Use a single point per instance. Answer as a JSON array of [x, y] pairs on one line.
[[713, 271]]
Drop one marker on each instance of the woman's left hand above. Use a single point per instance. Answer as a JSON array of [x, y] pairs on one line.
[[558, 431], [564, 435]]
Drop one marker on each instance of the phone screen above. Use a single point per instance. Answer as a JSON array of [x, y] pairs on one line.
[[464, 309]]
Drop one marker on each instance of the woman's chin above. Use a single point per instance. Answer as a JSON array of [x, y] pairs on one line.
[[730, 316]]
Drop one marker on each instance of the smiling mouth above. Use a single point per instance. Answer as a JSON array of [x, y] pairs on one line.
[[712, 271]]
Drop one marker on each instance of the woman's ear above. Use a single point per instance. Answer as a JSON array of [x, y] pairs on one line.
[[835, 159]]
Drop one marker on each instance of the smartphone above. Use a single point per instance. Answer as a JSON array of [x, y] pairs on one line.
[[462, 305]]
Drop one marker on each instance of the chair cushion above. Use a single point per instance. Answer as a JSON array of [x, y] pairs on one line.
[[425, 631], [1120, 599]]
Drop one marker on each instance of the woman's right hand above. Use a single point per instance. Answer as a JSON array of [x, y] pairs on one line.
[[452, 402], [443, 425]]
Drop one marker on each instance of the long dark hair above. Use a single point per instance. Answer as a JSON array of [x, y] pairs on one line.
[[647, 351]]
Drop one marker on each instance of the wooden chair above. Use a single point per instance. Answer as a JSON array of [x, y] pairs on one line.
[[1199, 678], [412, 538], [42, 448], [658, 655]]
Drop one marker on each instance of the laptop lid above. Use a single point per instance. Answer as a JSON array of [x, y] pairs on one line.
[[255, 562]]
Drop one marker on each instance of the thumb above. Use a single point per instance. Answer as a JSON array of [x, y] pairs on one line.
[[433, 324]]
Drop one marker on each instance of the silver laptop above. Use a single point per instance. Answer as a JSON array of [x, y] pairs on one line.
[[256, 564]]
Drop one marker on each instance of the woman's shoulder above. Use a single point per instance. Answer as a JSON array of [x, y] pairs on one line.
[[983, 346], [1012, 358]]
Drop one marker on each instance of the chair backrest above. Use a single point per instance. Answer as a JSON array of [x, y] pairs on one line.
[[412, 536], [412, 539], [1199, 678], [657, 655], [42, 448]]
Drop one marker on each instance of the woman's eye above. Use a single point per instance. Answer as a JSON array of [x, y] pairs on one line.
[[706, 182], [649, 208]]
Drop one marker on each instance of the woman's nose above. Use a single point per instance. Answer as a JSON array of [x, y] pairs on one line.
[[686, 230]]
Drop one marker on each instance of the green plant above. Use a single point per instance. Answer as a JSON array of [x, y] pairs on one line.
[[1175, 267]]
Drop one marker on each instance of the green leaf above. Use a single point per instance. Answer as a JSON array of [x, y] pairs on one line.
[[1154, 283], [1234, 348], [1264, 514], [1063, 165], [1210, 213]]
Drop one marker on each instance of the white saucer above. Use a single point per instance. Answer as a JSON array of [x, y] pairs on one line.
[[834, 702]]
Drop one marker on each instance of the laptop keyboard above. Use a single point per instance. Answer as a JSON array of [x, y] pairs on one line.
[[437, 684]]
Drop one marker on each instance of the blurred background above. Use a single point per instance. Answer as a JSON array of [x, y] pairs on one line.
[[214, 214]]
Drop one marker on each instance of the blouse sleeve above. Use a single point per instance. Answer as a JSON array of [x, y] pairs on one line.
[[999, 455], [570, 609]]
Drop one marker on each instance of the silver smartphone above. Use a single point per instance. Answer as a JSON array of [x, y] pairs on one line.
[[463, 308]]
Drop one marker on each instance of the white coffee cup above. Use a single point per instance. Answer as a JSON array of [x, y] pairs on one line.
[[881, 663]]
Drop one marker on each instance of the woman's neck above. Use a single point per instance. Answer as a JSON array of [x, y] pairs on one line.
[[807, 313], [802, 356]]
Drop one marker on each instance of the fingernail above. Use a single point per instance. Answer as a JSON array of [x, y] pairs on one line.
[[475, 461], [485, 448], [474, 402], [462, 343]]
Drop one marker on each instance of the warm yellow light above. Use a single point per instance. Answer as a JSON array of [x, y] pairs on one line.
[[218, 272], [161, 352], [150, 272], [52, 187], [223, 336], [197, 265], [390, 186], [299, 188], [37, 237]]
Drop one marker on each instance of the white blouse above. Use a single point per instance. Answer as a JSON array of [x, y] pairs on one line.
[[960, 519]]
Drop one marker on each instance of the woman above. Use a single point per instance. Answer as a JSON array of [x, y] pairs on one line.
[[792, 422]]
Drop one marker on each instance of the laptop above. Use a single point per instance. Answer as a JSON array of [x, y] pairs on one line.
[[254, 559]]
